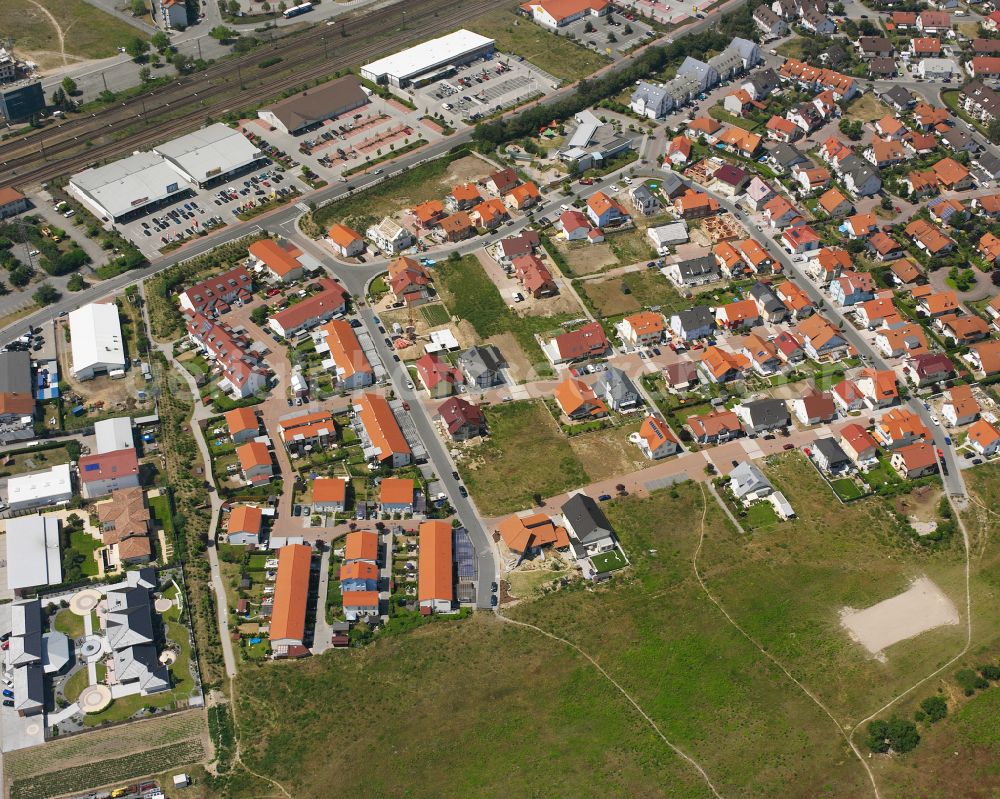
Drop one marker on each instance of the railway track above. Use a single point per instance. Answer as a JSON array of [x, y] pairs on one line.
[[41, 157]]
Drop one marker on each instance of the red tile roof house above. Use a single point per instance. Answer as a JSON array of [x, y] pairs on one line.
[[218, 294], [535, 276], [255, 462], [984, 438], [848, 396], [587, 342], [574, 225], [900, 427], [462, 419], [409, 281], [814, 407], [438, 377], [800, 239], [914, 460], [962, 329], [320, 307], [396, 495], [859, 446], [985, 357], [878, 386], [928, 368], [715, 427], [101, 474], [961, 407]]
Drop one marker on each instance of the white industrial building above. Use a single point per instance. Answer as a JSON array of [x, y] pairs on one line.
[[33, 556], [429, 61], [35, 489], [112, 435], [210, 155], [96, 341], [129, 188]]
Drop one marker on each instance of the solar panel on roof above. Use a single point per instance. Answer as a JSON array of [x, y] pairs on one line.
[[465, 555]]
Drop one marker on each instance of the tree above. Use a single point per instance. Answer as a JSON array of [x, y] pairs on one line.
[[627, 30], [589, 27], [886, 203], [896, 734], [145, 75], [221, 33], [282, 7], [160, 41], [76, 283], [936, 708], [182, 63], [45, 294], [20, 275], [265, 7], [138, 8], [993, 131], [612, 38], [69, 85], [137, 48], [59, 98], [234, 7]]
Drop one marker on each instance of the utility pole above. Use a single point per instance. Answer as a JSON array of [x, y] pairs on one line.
[[104, 78]]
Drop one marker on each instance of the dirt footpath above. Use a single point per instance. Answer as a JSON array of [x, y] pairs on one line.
[[922, 607]]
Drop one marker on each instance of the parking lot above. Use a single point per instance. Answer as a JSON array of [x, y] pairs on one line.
[[615, 25], [665, 12], [483, 88], [346, 142], [206, 209]]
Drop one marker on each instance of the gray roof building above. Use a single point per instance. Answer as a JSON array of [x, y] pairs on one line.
[[706, 75], [989, 163], [746, 479], [482, 365], [683, 87], [618, 390], [899, 98], [651, 101], [15, 373], [767, 301], [785, 156], [131, 633], [26, 617], [830, 454], [586, 519], [29, 690], [56, 652], [749, 51], [763, 414], [697, 269], [727, 64], [763, 82]]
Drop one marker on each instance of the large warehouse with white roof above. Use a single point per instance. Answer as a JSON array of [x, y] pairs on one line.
[[33, 554], [428, 61], [129, 188], [95, 337], [210, 155]]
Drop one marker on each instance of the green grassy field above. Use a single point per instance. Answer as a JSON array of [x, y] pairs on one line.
[[708, 689], [645, 288], [87, 31], [469, 294], [435, 314], [556, 55], [499, 473]]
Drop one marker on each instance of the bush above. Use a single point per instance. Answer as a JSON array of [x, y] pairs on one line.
[[970, 682], [990, 672], [935, 707]]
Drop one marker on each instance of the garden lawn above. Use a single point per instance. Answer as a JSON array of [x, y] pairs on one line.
[[84, 543], [525, 453], [609, 561], [556, 55], [846, 489]]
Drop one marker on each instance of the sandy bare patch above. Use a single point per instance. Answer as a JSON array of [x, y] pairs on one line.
[[587, 259], [920, 608], [518, 363], [468, 169]]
